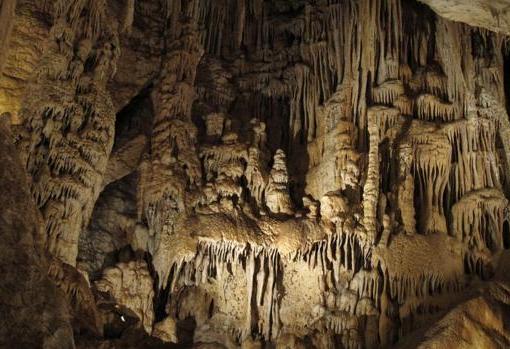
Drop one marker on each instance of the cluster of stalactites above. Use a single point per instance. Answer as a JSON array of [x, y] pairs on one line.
[[478, 218], [261, 266], [474, 147], [325, 54], [464, 150], [69, 122], [348, 287], [340, 251], [71, 12], [445, 156]]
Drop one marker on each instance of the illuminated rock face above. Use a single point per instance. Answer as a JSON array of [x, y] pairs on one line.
[[258, 174], [488, 14]]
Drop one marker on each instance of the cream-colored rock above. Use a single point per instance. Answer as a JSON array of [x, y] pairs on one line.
[[251, 344], [214, 125], [131, 285], [166, 330], [478, 322], [69, 124], [489, 14], [277, 192], [311, 206], [386, 121], [332, 205], [289, 342]]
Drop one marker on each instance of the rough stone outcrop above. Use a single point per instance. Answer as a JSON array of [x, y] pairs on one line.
[[130, 284], [34, 313], [489, 14]]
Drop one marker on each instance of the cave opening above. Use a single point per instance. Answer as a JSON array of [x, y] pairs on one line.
[[506, 235], [506, 70]]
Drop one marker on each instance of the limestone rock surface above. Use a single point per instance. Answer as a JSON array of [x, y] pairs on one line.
[[489, 14], [255, 173]]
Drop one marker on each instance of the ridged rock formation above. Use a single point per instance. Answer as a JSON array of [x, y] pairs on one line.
[[256, 173]]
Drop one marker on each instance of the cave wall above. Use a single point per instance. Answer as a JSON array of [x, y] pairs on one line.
[[254, 173], [34, 313]]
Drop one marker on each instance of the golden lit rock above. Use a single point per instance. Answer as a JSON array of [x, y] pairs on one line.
[[255, 174]]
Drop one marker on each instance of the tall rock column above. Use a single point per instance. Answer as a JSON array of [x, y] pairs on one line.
[[69, 122], [371, 188], [172, 171]]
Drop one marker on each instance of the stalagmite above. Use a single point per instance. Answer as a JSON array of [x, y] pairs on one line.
[[256, 175], [277, 197], [405, 189]]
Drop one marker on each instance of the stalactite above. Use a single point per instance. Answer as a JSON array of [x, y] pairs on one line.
[[388, 92], [473, 143], [384, 119], [71, 12], [261, 266], [368, 16], [435, 83], [389, 41], [431, 108], [494, 110], [448, 37]]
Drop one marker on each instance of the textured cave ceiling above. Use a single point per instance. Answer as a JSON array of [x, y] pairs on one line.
[[254, 174]]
